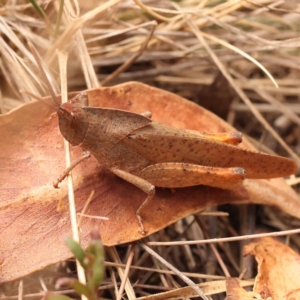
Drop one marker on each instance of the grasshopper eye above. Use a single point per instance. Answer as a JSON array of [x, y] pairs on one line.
[[73, 123]]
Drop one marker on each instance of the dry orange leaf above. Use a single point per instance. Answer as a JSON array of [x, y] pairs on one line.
[[234, 291], [32, 157], [278, 269]]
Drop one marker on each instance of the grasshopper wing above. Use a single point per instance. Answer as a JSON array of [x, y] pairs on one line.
[[160, 143], [107, 127]]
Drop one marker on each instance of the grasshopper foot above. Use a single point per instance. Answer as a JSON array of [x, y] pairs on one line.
[[147, 114], [142, 231]]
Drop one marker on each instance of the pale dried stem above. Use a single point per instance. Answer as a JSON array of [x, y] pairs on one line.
[[126, 272], [62, 57], [21, 290], [80, 45], [293, 180], [231, 239], [128, 286], [2, 106], [91, 217], [85, 207], [214, 214]]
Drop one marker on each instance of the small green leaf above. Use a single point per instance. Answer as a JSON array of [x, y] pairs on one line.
[[77, 250], [42, 13], [59, 17], [98, 272], [39, 10], [95, 258], [54, 296], [98, 267], [82, 289]]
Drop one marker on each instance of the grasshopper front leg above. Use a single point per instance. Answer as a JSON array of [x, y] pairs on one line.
[[142, 184], [85, 155]]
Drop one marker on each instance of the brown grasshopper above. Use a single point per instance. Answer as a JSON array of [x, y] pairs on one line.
[[149, 154]]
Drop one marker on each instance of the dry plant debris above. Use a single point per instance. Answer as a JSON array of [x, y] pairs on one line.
[[195, 45], [278, 272]]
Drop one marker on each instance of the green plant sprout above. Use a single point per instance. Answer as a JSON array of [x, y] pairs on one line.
[[92, 261]]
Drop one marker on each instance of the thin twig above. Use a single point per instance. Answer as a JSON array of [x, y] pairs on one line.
[[126, 272], [176, 271]]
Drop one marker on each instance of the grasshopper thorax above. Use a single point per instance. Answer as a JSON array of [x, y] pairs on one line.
[[73, 122]]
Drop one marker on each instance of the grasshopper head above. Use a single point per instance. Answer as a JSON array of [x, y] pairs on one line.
[[73, 122]]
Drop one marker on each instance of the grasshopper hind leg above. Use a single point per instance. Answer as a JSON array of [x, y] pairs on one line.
[[142, 184], [177, 175]]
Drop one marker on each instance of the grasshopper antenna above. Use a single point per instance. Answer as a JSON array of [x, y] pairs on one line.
[[38, 60], [37, 98], [42, 100]]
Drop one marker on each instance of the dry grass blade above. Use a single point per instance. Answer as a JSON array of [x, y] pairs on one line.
[[243, 95], [194, 28], [272, 100], [151, 12], [65, 38], [38, 59], [85, 59], [127, 64]]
